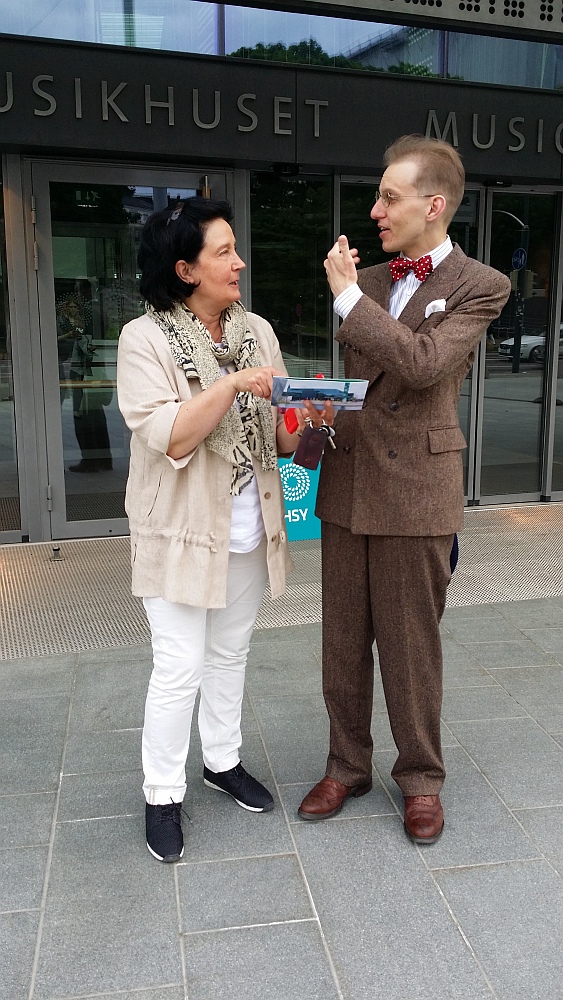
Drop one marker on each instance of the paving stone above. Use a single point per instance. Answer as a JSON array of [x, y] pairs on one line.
[[296, 735], [116, 654], [220, 829], [522, 762], [18, 932], [470, 611], [115, 943], [512, 916], [478, 829], [375, 898], [22, 720], [260, 891], [532, 614], [162, 993], [479, 703], [106, 859], [461, 669], [496, 629], [549, 639], [539, 690], [37, 676], [289, 633], [22, 874], [104, 751], [110, 695], [259, 963], [524, 653], [87, 796], [544, 827], [25, 820], [33, 765], [274, 670]]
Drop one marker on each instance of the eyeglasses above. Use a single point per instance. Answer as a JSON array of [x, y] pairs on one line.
[[176, 213], [390, 199]]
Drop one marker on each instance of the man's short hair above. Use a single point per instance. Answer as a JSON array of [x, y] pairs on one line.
[[440, 170]]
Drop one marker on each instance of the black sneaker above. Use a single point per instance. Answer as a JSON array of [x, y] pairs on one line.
[[243, 788], [165, 840]]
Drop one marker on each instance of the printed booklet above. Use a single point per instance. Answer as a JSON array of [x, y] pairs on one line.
[[344, 393]]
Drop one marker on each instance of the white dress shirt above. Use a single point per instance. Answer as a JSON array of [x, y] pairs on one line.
[[401, 291]]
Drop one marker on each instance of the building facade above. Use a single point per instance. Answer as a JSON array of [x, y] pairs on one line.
[[120, 109]]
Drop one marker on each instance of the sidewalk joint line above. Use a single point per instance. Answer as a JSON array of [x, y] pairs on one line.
[[249, 927]]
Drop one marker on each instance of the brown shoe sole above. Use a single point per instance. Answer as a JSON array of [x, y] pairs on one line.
[[355, 793], [424, 840]]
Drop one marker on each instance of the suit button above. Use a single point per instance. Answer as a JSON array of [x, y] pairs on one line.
[[392, 454], [346, 449], [393, 406], [267, 496]]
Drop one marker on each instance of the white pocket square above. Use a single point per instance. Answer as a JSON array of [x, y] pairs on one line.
[[437, 306]]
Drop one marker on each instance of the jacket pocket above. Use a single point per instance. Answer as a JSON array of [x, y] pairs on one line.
[[149, 500], [446, 439]]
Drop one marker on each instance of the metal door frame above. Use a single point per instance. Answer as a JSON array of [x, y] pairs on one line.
[[40, 446], [547, 418]]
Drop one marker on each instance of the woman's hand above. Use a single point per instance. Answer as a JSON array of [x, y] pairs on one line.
[[255, 380]]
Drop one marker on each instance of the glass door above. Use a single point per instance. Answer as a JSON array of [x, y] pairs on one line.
[[291, 234], [522, 231], [88, 226]]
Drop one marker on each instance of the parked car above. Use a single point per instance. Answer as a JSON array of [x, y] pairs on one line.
[[532, 347]]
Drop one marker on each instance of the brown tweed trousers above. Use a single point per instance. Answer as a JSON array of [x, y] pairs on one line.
[[390, 498]]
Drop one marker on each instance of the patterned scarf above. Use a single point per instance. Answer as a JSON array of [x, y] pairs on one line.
[[247, 428]]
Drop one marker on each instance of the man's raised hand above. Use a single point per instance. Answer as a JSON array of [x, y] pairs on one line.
[[340, 266]]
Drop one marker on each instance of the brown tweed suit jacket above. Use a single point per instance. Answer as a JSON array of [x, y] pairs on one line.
[[397, 468]]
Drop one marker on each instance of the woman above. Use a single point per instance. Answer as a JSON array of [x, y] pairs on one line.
[[204, 500]]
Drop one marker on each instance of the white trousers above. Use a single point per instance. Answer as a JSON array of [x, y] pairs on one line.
[[199, 649]]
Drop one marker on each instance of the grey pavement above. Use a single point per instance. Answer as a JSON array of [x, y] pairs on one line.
[[266, 907]]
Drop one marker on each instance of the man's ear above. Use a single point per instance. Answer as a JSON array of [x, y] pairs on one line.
[[437, 207], [184, 271]]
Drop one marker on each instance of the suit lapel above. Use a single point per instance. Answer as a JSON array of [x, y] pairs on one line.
[[377, 284], [438, 285]]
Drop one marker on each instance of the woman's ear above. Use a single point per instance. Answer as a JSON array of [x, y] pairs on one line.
[[184, 271]]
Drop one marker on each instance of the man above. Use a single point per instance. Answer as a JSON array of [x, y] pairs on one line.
[[391, 495]]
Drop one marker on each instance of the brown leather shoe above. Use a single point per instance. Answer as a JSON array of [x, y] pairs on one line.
[[424, 818], [328, 796]]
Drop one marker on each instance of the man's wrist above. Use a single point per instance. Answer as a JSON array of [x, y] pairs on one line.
[[346, 300]]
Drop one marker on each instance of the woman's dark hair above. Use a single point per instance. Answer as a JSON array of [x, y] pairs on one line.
[[177, 233]]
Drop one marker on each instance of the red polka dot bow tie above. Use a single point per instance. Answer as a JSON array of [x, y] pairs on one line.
[[421, 268]]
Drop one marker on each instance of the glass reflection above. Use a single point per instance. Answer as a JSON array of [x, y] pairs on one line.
[[291, 233], [95, 235], [281, 35], [521, 247], [557, 468]]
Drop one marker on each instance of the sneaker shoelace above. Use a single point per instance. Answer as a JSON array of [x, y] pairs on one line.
[[239, 771], [173, 812]]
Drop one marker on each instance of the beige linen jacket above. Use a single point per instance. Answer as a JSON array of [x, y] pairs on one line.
[[180, 511], [397, 468]]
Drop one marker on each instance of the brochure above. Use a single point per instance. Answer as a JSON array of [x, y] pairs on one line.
[[344, 393]]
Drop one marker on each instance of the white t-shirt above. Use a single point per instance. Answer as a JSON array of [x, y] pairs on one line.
[[247, 524]]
